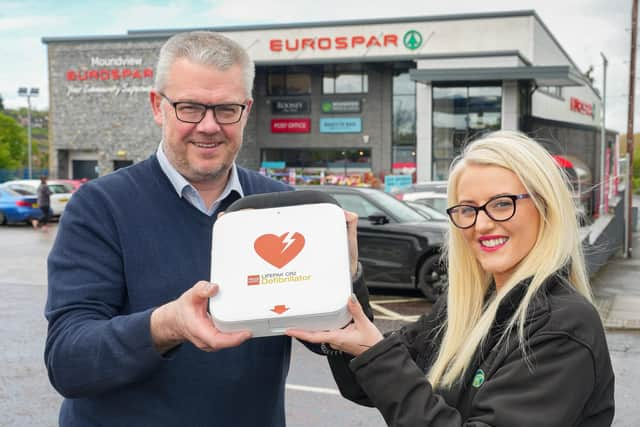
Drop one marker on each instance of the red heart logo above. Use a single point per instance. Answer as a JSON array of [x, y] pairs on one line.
[[279, 250]]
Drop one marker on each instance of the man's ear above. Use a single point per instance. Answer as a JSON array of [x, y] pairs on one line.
[[247, 111], [156, 100]]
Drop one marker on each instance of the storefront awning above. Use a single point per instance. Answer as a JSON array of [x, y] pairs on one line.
[[542, 75]]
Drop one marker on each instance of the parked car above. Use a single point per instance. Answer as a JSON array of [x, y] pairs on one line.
[[61, 192], [581, 182], [427, 211], [16, 208], [398, 247], [74, 183], [430, 193]]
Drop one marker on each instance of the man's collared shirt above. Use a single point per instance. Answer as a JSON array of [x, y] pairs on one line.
[[185, 189]]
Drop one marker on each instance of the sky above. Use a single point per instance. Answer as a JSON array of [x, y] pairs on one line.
[[584, 28]]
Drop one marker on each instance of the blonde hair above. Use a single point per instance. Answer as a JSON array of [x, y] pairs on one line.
[[557, 245]]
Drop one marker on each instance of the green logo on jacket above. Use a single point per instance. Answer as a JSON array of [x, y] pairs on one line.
[[478, 379]]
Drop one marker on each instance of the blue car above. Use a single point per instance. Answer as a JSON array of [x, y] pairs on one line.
[[16, 208]]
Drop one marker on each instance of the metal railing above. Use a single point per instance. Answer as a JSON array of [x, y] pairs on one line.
[[21, 173]]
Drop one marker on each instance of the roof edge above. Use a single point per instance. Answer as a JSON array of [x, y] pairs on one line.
[[349, 22], [167, 32]]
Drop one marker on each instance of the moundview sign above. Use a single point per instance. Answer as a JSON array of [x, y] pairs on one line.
[[348, 106], [290, 125], [341, 125], [114, 76], [289, 106]]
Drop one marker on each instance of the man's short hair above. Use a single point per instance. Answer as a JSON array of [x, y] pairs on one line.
[[206, 48]]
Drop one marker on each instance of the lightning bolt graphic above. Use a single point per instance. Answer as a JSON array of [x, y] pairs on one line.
[[288, 241]]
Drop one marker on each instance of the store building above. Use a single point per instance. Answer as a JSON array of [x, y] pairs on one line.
[[352, 98]]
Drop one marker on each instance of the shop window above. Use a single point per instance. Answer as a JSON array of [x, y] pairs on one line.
[[321, 166], [320, 158], [119, 164], [403, 85], [344, 79], [552, 90], [403, 133], [288, 83], [461, 114]]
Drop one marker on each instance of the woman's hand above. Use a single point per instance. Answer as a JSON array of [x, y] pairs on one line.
[[354, 339], [352, 235]]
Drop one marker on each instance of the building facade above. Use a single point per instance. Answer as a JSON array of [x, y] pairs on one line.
[[339, 99]]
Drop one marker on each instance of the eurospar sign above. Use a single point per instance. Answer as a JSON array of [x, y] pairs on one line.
[[410, 39]]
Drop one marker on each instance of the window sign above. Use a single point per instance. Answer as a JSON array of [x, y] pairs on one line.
[[273, 165], [350, 106], [397, 182], [289, 106], [341, 125], [291, 125]]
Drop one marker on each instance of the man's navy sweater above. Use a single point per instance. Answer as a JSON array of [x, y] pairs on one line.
[[125, 245]]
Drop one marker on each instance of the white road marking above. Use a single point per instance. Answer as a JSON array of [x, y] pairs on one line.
[[396, 301], [313, 389], [405, 318], [390, 313]]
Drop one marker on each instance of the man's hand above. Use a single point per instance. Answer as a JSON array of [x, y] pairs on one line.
[[186, 319], [352, 233]]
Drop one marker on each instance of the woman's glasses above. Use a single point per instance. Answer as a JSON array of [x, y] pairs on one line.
[[498, 208]]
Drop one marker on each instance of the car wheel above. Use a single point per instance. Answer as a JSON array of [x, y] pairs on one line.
[[432, 278], [3, 219]]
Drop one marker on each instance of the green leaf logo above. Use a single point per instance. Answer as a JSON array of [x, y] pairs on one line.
[[478, 379], [412, 39]]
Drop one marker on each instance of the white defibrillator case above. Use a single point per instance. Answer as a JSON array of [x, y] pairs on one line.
[[279, 268]]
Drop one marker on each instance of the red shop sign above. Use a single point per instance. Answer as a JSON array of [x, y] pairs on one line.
[[290, 125], [581, 107]]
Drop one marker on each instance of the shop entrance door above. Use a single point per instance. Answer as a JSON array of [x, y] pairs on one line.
[[84, 169]]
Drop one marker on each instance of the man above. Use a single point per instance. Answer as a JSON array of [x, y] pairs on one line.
[[44, 201], [130, 341]]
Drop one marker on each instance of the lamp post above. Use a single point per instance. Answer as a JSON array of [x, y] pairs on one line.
[[603, 140], [28, 93]]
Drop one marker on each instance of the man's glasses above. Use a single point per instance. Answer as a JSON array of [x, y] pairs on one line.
[[499, 208], [192, 112]]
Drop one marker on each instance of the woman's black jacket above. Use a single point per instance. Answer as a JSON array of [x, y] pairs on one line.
[[565, 379]]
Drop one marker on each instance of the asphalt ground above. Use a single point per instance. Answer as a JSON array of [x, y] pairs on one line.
[[27, 398]]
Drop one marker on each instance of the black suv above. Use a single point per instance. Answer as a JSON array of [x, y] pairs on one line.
[[398, 247]]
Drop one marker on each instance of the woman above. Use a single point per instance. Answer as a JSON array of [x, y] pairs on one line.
[[517, 340]]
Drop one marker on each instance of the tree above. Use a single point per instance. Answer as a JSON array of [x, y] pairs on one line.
[[13, 143], [1, 104]]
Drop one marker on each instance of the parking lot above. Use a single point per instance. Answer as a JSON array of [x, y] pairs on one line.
[[27, 399]]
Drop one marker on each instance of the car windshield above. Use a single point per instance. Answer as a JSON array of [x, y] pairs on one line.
[[10, 192], [428, 211], [23, 190], [398, 209], [437, 203], [58, 188]]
